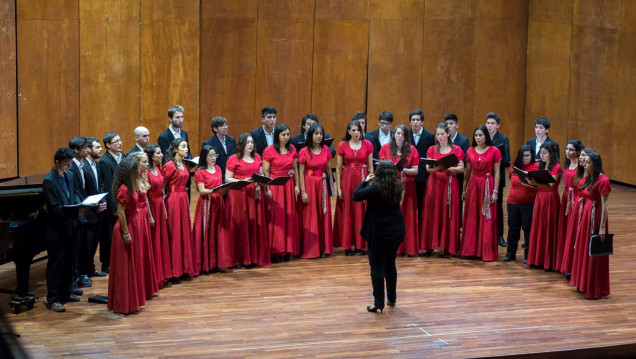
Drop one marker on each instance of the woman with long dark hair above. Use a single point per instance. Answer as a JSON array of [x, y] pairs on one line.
[[354, 160], [315, 172], [481, 180], [590, 275], [573, 218], [545, 219], [126, 293], [176, 176], [568, 200], [210, 227], [520, 204], [158, 232], [440, 222], [400, 149], [383, 228], [246, 206], [279, 160]]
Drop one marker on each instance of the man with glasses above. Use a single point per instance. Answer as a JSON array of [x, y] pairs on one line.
[[382, 135], [107, 164]]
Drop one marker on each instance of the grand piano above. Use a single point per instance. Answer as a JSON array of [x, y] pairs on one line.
[[22, 232]]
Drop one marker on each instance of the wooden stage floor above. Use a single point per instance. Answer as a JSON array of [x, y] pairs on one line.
[[316, 308]]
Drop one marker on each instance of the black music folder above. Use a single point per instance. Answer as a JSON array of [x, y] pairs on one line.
[[604, 248], [541, 176], [446, 162], [278, 181]]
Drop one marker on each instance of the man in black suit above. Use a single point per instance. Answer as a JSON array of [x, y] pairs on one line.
[[142, 138], [61, 223], [174, 130], [79, 145], [382, 135], [107, 165], [492, 124], [541, 129], [308, 120], [462, 142], [223, 144], [96, 217], [422, 139], [264, 135]]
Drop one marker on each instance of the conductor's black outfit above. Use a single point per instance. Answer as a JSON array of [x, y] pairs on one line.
[[383, 228]]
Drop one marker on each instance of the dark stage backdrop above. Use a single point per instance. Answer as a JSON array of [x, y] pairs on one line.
[[86, 67]]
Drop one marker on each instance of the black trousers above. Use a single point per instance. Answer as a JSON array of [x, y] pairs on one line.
[[420, 190], [500, 214], [59, 269], [519, 217], [382, 263], [105, 240]]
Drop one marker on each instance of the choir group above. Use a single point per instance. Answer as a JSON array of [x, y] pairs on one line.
[[456, 209]]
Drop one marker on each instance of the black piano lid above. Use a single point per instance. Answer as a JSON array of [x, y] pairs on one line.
[[22, 186]]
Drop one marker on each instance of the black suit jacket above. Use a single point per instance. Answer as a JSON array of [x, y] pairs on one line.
[[94, 185], [374, 138], [165, 139], [532, 142], [426, 140], [134, 149], [60, 219], [230, 143], [463, 143], [497, 140], [258, 134], [107, 166]]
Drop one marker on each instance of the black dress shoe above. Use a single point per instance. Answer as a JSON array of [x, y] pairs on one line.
[[72, 298], [525, 261], [374, 309], [502, 242], [106, 269], [509, 257], [83, 281], [97, 273], [348, 252], [390, 304], [323, 255], [74, 289], [359, 252], [568, 276]]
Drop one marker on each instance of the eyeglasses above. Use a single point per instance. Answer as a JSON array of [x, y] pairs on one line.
[[115, 141], [213, 155], [527, 156]]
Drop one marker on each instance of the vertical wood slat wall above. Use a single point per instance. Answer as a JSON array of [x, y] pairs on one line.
[[89, 67], [8, 110]]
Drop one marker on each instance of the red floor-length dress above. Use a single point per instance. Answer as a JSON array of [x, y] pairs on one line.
[[124, 295], [317, 231], [159, 232], [571, 227], [210, 228], [350, 214], [479, 233], [591, 274], [282, 215], [440, 222], [246, 215], [565, 209], [181, 250], [545, 225], [411, 244], [145, 267]]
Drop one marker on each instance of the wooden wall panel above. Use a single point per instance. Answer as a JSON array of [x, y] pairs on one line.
[[170, 44], [284, 59], [48, 79], [593, 82], [8, 81], [620, 159], [109, 68], [342, 10], [448, 70], [548, 68], [501, 42], [228, 65], [340, 72]]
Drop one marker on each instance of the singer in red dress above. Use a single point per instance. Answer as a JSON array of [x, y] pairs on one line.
[[481, 180], [246, 206], [440, 220], [591, 274], [279, 160], [125, 286], [568, 199], [354, 160], [210, 228], [158, 232], [397, 149], [176, 175], [317, 238], [545, 219], [573, 218]]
